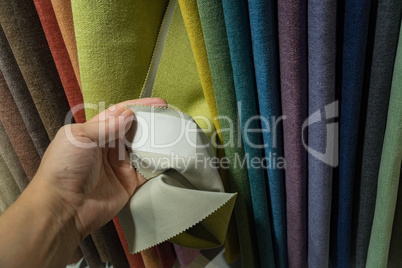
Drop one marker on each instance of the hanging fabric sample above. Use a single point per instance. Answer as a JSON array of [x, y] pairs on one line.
[[239, 39], [374, 117], [322, 136], [21, 26], [293, 68], [264, 32], [389, 172], [214, 30], [61, 57], [355, 29]]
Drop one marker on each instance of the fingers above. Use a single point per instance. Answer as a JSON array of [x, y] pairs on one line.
[[103, 132], [119, 108]]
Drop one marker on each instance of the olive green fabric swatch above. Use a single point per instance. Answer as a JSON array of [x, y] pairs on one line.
[[390, 168], [214, 29], [115, 40], [9, 191], [177, 80], [11, 159]]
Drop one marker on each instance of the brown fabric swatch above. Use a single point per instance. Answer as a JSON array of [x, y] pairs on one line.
[[100, 246], [90, 253], [11, 159], [77, 256], [17, 132], [64, 15], [151, 258], [113, 246], [61, 57], [24, 33], [22, 97]]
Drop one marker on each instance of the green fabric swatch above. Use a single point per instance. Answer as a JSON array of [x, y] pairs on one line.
[[177, 80], [214, 29], [390, 168], [115, 40]]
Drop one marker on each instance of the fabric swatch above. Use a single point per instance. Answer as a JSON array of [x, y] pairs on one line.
[[17, 132], [292, 21], [394, 256], [189, 11], [9, 191], [322, 137], [264, 32], [134, 260], [11, 160], [100, 245], [22, 97], [177, 80], [191, 192], [115, 41], [113, 245], [151, 258], [239, 39], [166, 254], [185, 256], [375, 117], [192, 22], [64, 16], [389, 173], [21, 26], [90, 253], [355, 29], [214, 30], [61, 57]]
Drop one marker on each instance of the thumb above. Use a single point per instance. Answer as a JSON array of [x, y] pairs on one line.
[[115, 127]]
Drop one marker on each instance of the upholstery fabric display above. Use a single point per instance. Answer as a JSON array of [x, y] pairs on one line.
[[204, 208], [389, 172], [64, 16], [9, 191], [21, 26], [292, 23], [239, 39], [134, 260], [17, 132], [18, 88], [115, 40], [214, 30], [355, 29], [322, 137], [113, 245], [61, 57], [189, 10], [388, 16], [394, 256], [166, 254], [10, 158], [264, 32], [185, 256]]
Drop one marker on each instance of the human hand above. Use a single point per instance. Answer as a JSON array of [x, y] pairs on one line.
[[82, 170]]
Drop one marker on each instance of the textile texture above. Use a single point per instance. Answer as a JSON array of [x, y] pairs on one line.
[[239, 39], [292, 23], [214, 30], [321, 68], [389, 173]]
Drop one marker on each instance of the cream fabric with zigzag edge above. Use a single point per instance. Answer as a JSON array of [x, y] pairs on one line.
[[183, 200]]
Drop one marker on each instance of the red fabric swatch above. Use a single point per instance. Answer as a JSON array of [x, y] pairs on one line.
[[60, 56]]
